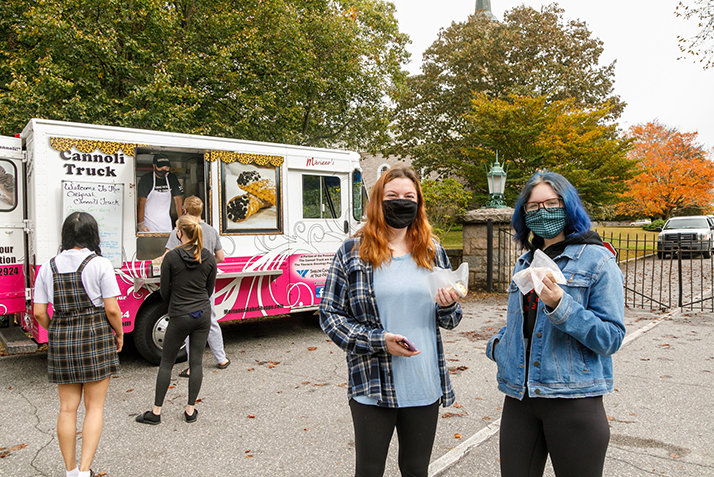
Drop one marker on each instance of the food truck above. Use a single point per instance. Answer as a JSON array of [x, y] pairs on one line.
[[281, 212]]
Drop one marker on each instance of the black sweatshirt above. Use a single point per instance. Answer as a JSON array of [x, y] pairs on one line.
[[186, 284]]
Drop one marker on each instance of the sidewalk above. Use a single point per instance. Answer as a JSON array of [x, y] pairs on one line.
[[280, 409], [660, 414]]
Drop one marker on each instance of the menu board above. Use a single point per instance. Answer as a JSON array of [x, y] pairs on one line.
[[104, 202]]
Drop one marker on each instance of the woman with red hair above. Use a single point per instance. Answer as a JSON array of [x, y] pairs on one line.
[[376, 306]]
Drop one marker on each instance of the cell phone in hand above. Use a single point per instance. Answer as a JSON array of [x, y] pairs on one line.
[[408, 344]]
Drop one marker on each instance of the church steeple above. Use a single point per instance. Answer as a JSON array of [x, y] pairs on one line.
[[484, 7]]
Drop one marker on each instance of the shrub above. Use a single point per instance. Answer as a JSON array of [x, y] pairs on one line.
[[659, 223]]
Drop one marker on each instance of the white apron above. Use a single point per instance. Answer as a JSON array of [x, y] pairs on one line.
[[157, 211]]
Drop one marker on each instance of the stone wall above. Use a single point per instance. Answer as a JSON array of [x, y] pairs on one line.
[[475, 236]]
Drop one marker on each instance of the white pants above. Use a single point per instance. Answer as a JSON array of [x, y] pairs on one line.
[[215, 337]]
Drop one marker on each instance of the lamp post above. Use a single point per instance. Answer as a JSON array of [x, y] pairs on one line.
[[496, 186]]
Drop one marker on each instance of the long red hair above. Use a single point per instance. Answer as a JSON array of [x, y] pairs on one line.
[[374, 246]]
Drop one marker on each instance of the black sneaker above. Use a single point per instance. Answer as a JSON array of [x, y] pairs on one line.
[[149, 418], [191, 418]]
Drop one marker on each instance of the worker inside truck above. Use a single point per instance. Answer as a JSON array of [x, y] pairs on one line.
[[186, 175], [155, 193]]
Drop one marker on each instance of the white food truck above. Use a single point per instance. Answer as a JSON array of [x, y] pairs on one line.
[[281, 211]]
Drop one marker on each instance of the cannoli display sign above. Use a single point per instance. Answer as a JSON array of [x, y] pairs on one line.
[[250, 196]]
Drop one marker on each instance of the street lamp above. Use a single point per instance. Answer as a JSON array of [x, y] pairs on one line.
[[496, 186]]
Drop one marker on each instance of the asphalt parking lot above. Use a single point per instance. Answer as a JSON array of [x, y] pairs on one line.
[[280, 408]]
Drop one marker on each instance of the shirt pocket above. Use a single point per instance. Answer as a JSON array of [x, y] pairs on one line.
[[577, 285], [358, 291]]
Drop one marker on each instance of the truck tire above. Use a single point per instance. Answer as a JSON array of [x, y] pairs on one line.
[[151, 323]]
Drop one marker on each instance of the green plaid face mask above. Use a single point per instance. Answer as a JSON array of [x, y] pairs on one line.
[[546, 223]]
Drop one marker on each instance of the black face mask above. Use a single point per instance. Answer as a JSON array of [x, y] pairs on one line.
[[399, 213]]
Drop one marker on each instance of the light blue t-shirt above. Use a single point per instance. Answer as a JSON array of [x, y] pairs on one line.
[[406, 308]]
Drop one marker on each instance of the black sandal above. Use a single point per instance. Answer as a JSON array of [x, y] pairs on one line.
[[184, 373], [149, 418]]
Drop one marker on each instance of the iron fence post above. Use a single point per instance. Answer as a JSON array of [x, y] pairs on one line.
[[679, 267]]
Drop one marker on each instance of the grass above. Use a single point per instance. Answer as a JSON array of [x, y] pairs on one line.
[[641, 241]]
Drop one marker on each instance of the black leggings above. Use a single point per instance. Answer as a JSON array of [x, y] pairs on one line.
[[178, 329], [575, 433], [374, 426]]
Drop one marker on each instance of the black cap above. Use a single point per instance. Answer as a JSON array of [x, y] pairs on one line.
[[161, 160]]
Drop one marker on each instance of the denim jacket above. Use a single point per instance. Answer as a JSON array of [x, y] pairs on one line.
[[571, 346], [349, 316]]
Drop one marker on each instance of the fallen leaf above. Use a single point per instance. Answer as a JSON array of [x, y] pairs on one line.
[[249, 456], [486, 418], [199, 400], [312, 348], [674, 456], [248, 451], [306, 382], [251, 416], [457, 405], [251, 369], [130, 390], [457, 436], [633, 414], [171, 386], [610, 418]]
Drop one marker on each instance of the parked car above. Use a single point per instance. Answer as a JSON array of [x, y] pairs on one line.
[[641, 222], [694, 234]]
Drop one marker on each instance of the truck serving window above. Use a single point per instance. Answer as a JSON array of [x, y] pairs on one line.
[[8, 186], [184, 175], [321, 197]]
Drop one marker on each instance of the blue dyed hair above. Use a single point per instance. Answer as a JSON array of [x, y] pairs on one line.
[[577, 220]]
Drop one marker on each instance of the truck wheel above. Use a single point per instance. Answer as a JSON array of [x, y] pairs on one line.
[[149, 331]]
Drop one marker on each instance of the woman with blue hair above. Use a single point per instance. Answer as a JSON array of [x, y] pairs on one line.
[[554, 354]]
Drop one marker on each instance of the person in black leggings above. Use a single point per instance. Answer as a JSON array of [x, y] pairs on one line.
[[188, 275], [533, 428], [554, 355]]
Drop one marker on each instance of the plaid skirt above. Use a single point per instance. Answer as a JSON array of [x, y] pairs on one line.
[[81, 347]]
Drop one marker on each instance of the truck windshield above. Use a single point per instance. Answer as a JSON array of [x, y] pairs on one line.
[[688, 223]]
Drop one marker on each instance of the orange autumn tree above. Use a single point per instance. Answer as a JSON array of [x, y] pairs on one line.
[[673, 172]]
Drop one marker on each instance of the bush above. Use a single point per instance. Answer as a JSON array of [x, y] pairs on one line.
[[444, 200], [659, 223]]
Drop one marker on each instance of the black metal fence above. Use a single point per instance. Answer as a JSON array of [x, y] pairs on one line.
[[678, 274]]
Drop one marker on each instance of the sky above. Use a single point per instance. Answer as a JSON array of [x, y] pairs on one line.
[[641, 35]]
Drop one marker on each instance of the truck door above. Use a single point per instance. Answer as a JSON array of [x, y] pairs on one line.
[[321, 223], [12, 236]]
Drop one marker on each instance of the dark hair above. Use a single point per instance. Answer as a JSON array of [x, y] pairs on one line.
[[577, 220], [80, 230]]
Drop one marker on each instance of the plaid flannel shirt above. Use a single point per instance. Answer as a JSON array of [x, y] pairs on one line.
[[349, 316]]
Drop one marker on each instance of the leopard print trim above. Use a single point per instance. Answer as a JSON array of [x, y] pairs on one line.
[[88, 146], [257, 159]]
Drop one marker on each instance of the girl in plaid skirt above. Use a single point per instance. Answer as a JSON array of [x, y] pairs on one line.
[[85, 334]]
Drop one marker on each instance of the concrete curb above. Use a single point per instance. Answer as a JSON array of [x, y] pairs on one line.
[[457, 453]]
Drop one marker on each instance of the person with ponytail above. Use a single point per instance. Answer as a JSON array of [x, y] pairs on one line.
[[377, 307], [188, 276]]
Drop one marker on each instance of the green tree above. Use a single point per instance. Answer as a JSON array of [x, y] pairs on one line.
[[314, 72], [444, 200], [701, 44], [532, 134], [531, 53]]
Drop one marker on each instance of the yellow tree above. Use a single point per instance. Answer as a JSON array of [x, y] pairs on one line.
[[673, 172]]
